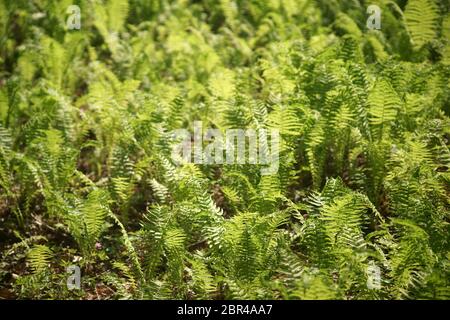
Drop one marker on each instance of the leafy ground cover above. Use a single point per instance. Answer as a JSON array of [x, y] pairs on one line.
[[359, 206]]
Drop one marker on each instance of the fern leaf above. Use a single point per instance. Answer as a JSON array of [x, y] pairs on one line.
[[117, 14], [421, 21], [383, 105], [39, 257]]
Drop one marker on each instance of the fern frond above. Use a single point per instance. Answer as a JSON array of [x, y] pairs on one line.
[[117, 14], [384, 104], [94, 211], [39, 258], [421, 21]]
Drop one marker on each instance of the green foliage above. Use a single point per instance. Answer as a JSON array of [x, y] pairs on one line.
[[422, 21], [87, 178], [39, 257]]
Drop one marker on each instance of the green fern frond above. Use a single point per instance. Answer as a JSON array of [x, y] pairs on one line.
[[94, 211], [39, 258], [384, 104], [421, 21], [446, 39], [160, 190], [117, 14]]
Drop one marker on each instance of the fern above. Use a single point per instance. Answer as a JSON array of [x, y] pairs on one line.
[[360, 188], [39, 258], [422, 21], [384, 104]]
